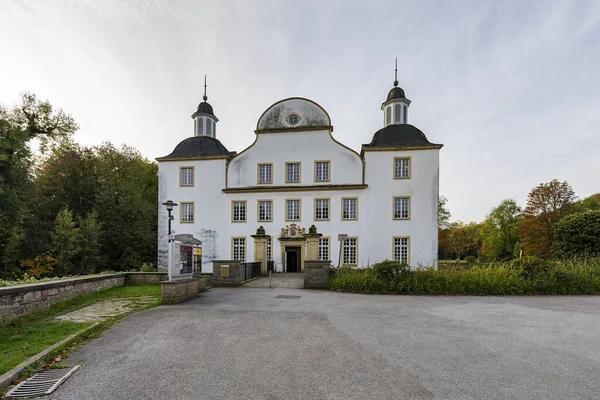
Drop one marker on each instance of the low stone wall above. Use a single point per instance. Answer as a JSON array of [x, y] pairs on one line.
[[174, 292], [16, 301], [226, 273], [145, 278], [316, 274]]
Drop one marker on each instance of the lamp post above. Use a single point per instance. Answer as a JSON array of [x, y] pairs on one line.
[[170, 204]]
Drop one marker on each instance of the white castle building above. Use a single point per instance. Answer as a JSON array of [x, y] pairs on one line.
[[295, 175]]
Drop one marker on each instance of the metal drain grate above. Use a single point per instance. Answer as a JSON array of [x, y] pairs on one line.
[[42, 383], [285, 296]]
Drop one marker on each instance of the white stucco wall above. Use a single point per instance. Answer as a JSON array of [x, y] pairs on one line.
[[209, 179], [423, 189], [306, 147]]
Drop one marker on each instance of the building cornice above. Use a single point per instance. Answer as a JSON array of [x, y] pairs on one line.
[[436, 147], [287, 188], [164, 159], [298, 129]]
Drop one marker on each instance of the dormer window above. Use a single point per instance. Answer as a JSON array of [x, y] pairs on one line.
[[293, 119]]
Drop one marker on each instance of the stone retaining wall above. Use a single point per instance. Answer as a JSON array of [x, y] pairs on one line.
[[226, 273], [145, 278], [316, 274], [181, 290], [16, 301]]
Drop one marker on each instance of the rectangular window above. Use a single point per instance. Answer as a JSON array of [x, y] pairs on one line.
[[321, 171], [401, 207], [270, 249], [265, 173], [292, 172], [292, 210], [238, 211], [324, 248], [349, 209], [239, 249], [187, 212], [401, 167], [349, 251], [321, 209], [265, 210], [186, 176], [401, 247]]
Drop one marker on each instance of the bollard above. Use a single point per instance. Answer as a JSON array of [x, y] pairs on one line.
[[270, 279]]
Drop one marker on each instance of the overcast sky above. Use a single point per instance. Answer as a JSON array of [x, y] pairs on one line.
[[511, 88]]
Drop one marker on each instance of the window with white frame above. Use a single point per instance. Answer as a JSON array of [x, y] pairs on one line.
[[265, 210], [349, 207], [401, 249], [349, 251], [187, 212], [265, 173], [292, 172], [401, 168], [292, 210], [187, 176], [324, 248], [401, 207], [321, 209], [322, 171], [239, 249], [238, 208], [270, 249]]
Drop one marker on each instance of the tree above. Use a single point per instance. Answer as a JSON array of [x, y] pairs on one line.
[[460, 239], [590, 203], [89, 257], [443, 213], [547, 203], [31, 119], [500, 230], [578, 235], [65, 239]]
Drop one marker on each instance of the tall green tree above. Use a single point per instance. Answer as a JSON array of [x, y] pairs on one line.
[[500, 230], [578, 235], [66, 239], [547, 203], [30, 120], [90, 247], [443, 213]]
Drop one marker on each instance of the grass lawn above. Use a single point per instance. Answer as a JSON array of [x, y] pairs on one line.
[[27, 336]]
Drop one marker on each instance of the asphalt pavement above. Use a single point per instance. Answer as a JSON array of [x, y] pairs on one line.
[[246, 343]]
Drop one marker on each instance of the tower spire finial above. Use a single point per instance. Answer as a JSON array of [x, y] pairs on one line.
[[396, 74], [205, 97]]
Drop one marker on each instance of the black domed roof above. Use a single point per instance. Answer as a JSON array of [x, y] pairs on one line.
[[204, 107], [396, 93], [400, 135], [197, 147]]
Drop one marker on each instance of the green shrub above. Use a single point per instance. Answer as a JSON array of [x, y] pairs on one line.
[[521, 277], [531, 266], [470, 260]]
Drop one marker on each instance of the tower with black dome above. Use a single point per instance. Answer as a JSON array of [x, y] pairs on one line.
[[395, 107], [205, 120]]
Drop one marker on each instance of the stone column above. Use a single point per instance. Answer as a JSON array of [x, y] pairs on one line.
[[260, 249], [312, 243]]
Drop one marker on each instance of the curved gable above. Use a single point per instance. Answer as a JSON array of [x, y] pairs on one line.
[[309, 113]]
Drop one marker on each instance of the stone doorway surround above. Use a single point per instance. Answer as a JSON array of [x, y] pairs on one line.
[[291, 236]]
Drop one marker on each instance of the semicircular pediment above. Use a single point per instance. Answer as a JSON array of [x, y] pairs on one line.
[[292, 113]]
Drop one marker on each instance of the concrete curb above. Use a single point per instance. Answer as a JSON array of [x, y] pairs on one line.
[[7, 378]]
